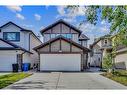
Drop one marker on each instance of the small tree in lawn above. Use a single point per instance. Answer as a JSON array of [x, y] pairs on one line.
[[107, 62]]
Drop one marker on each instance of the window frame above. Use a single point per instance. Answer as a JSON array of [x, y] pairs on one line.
[[106, 40], [16, 40]]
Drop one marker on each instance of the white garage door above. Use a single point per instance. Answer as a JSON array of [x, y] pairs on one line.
[[60, 62], [6, 61]]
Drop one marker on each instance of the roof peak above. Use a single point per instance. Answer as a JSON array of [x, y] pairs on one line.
[[61, 21]]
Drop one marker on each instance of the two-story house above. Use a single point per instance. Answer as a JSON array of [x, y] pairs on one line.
[[64, 48], [99, 48], [16, 46]]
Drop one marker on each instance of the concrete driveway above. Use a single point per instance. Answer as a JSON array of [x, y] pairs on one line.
[[66, 80]]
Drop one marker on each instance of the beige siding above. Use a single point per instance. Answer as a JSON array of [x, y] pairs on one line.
[[33, 43], [56, 29], [121, 61], [73, 31], [44, 49], [65, 46], [75, 49], [3, 44], [55, 46], [65, 29]]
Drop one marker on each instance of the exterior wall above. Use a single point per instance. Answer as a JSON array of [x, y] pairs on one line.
[[7, 58], [103, 42], [75, 38], [75, 49], [26, 58], [24, 39], [121, 61], [44, 49], [65, 29], [96, 57], [55, 46], [57, 29], [34, 58], [46, 37], [84, 43], [3, 44], [65, 46], [96, 60]]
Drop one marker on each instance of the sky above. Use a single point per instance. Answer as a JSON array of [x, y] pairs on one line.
[[38, 17]]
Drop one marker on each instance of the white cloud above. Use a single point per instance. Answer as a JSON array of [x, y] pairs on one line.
[[20, 16], [14, 8], [42, 27], [70, 14], [28, 26], [93, 31], [37, 17]]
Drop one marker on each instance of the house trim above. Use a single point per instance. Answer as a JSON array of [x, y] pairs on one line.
[[61, 22], [63, 38]]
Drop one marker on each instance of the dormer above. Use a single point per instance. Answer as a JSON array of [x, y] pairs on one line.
[[83, 40]]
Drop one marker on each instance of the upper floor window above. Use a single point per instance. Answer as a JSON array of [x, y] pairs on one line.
[[11, 36], [69, 36], [53, 35], [105, 41]]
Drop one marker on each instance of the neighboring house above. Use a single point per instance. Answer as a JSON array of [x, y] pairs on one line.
[[64, 48], [121, 57], [99, 48], [121, 54], [16, 46]]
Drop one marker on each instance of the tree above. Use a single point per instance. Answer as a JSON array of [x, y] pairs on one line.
[[115, 15], [107, 63]]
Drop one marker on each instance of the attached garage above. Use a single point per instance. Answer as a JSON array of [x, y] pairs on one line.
[[7, 58], [11, 54], [60, 62], [61, 54]]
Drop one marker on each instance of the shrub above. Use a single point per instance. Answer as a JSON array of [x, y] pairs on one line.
[[107, 62]]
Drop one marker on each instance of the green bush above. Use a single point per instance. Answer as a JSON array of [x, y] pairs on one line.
[[107, 62]]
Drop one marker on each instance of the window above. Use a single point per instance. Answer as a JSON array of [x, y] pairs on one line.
[[57, 35], [11, 36], [69, 36], [53, 35], [105, 41], [64, 35], [80, 42]]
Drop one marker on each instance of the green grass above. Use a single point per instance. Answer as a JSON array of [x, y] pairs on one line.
[[119, 76], [8, 79]]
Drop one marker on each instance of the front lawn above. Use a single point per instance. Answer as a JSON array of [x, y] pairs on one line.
[[118, 76], [8, 79]]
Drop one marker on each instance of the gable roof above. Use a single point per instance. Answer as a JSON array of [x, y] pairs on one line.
[[13, 24], [83, 37], [22, 29], [63, 22], [14, 46], [63, 38], [100, 38]]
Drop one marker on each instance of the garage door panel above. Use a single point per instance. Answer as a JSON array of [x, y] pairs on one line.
[[6, 61], [60, 62]]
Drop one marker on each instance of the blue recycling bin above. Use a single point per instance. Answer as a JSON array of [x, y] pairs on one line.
[[25, 66]]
